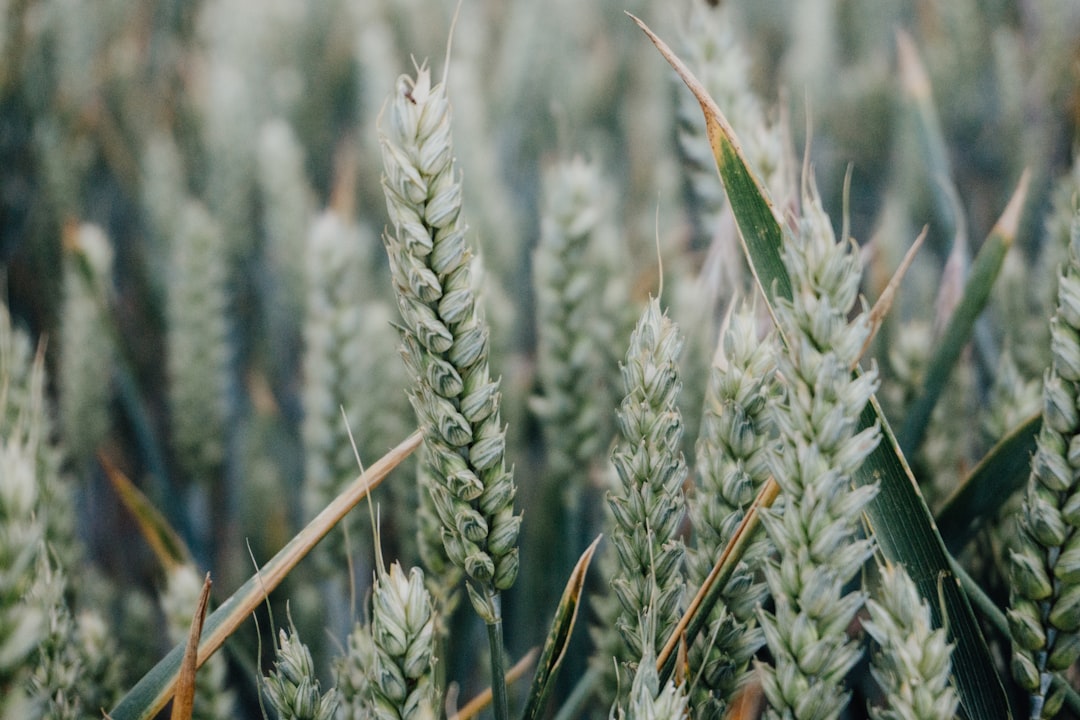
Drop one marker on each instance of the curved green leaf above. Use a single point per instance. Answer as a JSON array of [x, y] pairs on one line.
[[984, 272], [1002, 472], [562, 626]]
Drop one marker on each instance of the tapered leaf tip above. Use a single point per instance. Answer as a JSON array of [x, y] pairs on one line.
[[913, 74], [1009, 222], [695, 86]]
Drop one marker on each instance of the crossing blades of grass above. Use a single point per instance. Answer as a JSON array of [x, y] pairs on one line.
[[155, 688]]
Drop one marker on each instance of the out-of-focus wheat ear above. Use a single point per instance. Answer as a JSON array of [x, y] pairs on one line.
[[337, 373], [23, 622], [39, 665], [288, 207], [581, 302], [199, 350], [86, 341], [57, 666]]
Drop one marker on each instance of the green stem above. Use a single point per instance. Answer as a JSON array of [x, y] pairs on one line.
[[580, 695], [498, 673]]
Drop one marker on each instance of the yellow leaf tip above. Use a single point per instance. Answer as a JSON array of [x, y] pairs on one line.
[[1009, 221], [912, 73]]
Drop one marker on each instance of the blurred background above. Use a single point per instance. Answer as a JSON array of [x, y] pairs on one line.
[[190, 220]]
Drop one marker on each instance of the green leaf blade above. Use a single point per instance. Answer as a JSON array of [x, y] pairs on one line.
[[998, 476], [957, 333]]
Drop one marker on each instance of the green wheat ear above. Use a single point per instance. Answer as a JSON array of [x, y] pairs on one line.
[[816, 529], [402, 685], [737, 435], [86, 346], [646, 503], [445, 346], [1044, 563], [292, 686]]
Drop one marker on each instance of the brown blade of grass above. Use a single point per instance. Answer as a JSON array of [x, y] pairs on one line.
[[694, 618], [156, 688], [885, 301], [184, 702], [475, 706], [164, 541]]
